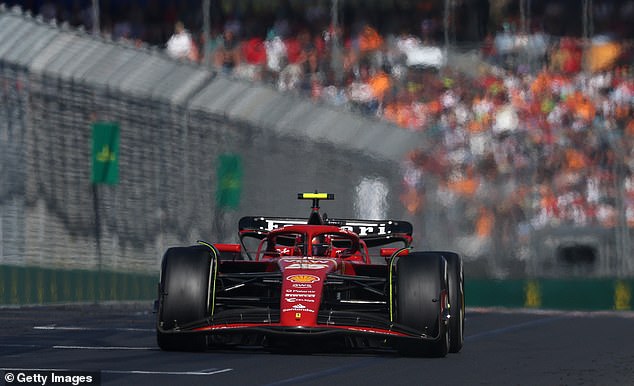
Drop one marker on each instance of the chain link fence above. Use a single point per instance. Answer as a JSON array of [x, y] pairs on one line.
[[176, 120]]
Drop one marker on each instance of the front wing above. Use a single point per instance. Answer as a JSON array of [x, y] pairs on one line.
[[249, 304]]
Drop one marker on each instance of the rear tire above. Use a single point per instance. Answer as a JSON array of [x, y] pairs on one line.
[[456, 301], [421, 278], [183, 297]]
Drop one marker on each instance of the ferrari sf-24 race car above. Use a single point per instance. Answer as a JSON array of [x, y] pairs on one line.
[[294, 282]]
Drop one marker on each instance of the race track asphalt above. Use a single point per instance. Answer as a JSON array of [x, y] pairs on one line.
[[502, 347]]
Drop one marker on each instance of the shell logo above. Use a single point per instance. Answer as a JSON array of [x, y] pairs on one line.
[[303, 278]]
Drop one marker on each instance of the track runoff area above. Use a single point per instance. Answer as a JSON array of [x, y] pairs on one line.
[[116, 344]]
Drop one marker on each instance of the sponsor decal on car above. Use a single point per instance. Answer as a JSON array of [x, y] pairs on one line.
[[363, 228], [303, 278], [300, 291], [298, 307], [308, 259], [301, 285], [306, 266], [274, 224], [307, 263], [300, 295], [293, 300]]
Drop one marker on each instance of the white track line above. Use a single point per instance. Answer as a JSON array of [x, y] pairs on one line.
[[150, 372], [79, 328], [145, 372], [63, 347]]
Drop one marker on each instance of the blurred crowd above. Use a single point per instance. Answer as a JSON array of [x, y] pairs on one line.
[[535, 129], [537, 132], [516, 152]]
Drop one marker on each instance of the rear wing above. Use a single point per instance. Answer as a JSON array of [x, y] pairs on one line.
[[377, 232], [372, 232]]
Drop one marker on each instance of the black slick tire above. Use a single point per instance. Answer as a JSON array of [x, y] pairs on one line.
[[421, 278], [183, 297]]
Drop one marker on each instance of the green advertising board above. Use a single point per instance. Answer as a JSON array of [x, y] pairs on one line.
[[229, 174], [105, 153]]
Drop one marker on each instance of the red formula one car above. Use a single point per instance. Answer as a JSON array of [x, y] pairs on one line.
[[295, 282]]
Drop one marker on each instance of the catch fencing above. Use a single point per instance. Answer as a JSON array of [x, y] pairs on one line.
[[176, 120]]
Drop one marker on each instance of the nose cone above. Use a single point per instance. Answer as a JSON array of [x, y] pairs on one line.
[[302, 289]]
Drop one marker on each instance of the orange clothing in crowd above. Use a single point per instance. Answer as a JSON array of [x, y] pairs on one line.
[[412, 200], [586, 110], [575, 160], [379, 83], [581, 106], [541, 84], [369, 39], [484, 223], [548, 201], [465, 186], [399, 113]]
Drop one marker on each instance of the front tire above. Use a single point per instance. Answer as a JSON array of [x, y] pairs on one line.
[[183, 297], [421, 286]]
